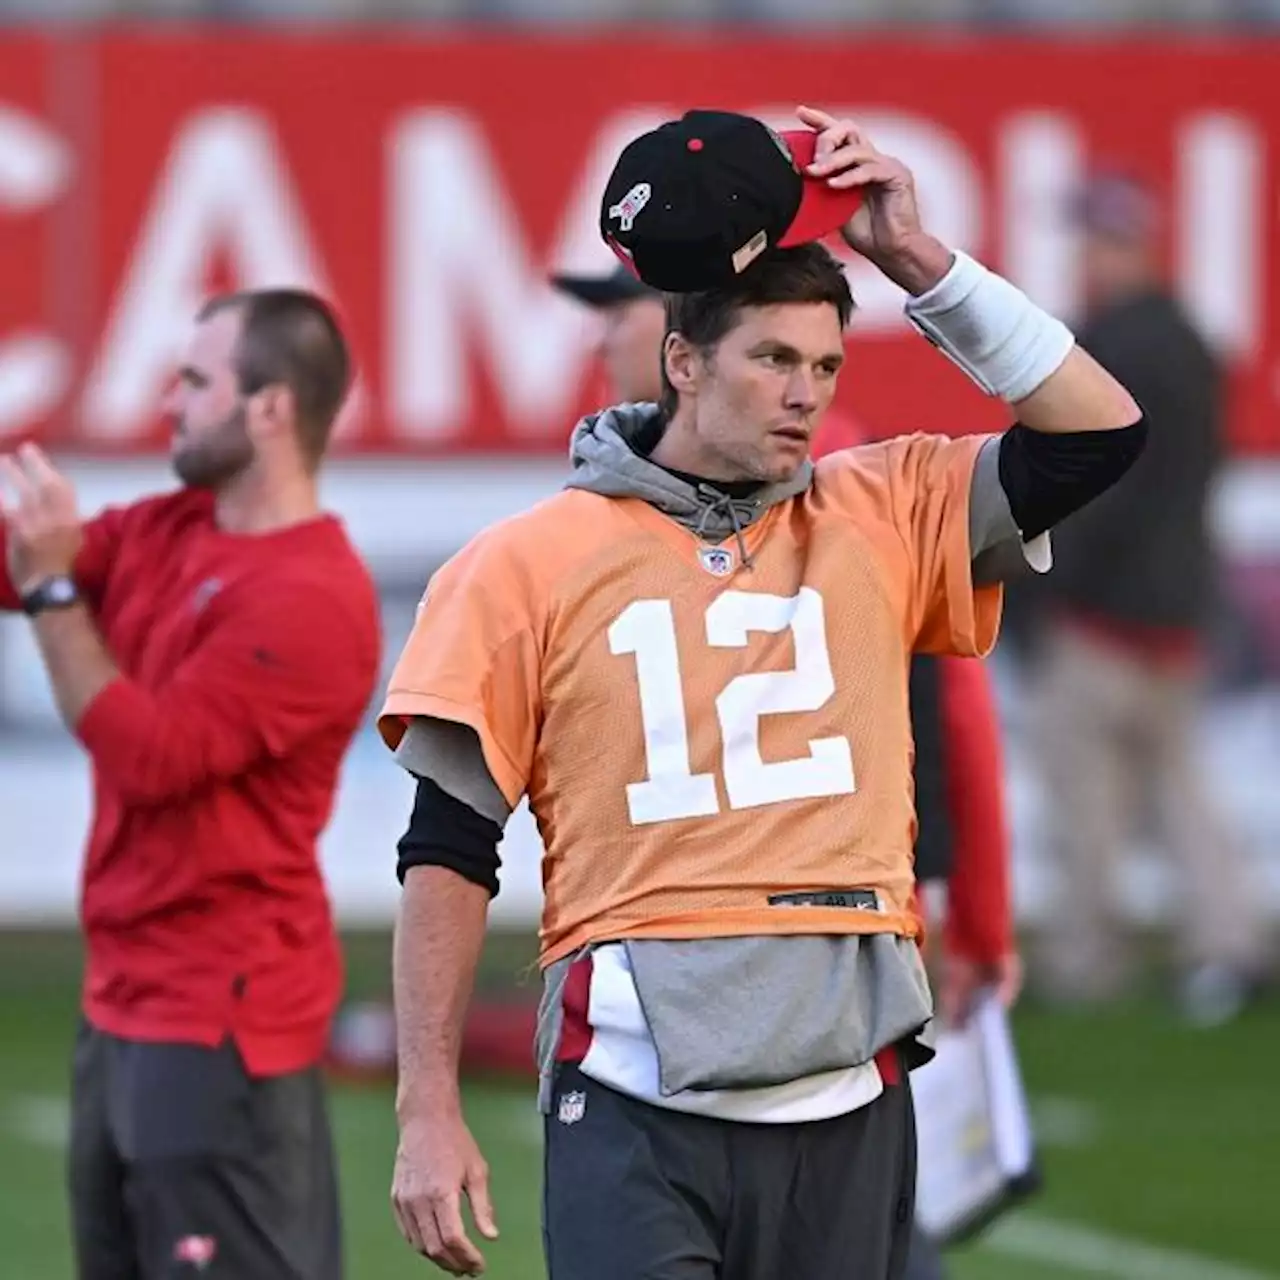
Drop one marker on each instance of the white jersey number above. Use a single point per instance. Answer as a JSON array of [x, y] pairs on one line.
[[647, 629]]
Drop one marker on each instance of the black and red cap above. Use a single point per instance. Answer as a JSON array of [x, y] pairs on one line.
[[692, 203]]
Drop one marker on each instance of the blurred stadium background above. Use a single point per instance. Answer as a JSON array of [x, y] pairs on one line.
[[428, 163]]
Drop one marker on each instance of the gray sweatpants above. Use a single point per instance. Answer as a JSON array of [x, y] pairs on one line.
[[638, 1192], [182, 1165], [924, 1260]]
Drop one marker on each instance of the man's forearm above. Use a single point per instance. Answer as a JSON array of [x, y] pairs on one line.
[[76, 658], [1079, 396], [438, 939], [919, 266], [1008, 345]]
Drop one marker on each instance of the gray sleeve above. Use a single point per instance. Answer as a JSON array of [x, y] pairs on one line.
[[451, 756], [996, 546]]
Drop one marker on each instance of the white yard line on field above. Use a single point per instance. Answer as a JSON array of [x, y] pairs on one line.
[[41, 1119], [1093, 1252]]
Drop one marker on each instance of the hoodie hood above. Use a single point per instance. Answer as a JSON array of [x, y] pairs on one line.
[[605, 461]]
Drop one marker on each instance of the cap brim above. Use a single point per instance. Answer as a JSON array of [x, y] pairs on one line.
[[602, 291], [823, 209]]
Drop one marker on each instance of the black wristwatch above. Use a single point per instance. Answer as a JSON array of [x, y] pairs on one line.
[[58, 592]]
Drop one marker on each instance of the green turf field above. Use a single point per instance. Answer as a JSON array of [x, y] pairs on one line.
[[1162, 1145]]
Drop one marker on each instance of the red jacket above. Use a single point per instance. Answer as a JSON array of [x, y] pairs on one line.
[[979, 923], [247, 664]]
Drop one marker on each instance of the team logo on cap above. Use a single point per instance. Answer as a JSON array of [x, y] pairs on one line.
[[628, 208], [717, 561], [196, 1251]]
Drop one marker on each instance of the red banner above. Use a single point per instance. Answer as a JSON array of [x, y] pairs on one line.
[[431, 185]]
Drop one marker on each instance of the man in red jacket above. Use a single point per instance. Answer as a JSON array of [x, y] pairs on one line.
[[214, 650]]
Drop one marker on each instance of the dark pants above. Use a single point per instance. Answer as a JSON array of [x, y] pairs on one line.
[[924, 1262], [636, 1192], [182, 1165]]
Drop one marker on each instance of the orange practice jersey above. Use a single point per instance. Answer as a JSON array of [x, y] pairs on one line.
[[695, 734]]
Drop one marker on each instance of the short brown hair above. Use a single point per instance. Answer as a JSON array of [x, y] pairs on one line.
[[292, 337], [805, 273]]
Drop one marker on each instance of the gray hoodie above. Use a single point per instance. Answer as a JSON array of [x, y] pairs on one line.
[[604, 462]]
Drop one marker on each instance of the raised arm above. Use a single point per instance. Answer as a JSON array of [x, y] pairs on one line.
[[1078, 430], [272, 670]]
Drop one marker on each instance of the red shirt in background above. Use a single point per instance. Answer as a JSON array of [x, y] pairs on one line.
[[247, 664], [979, 923]]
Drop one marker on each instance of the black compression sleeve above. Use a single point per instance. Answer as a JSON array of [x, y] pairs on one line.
[[1046, 476], [446, 832]]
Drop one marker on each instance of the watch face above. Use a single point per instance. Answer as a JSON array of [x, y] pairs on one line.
[[53, 593]]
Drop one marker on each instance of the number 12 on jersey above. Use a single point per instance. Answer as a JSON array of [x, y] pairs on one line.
[[647, 629]]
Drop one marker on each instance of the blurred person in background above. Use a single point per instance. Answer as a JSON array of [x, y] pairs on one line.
[[633, 322], [214, 650], [1121, 640]]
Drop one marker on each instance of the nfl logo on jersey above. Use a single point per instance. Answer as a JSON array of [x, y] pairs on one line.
[[573, 1106], [717, 561]]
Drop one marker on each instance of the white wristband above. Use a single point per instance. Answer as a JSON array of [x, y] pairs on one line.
[[991, 329]]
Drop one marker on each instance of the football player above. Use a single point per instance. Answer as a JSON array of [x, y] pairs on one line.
[[693, 661]]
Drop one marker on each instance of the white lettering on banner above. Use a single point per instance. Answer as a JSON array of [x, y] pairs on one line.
[[225, 186], [35, 367], [949, 184], [1041, 158], [1218, 205], [35, 164], [460, 268], [1220, 227], [460, 276]]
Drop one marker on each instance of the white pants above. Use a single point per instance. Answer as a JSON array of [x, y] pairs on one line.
[[1117, 747]]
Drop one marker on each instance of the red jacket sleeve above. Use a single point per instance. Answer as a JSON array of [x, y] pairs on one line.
[[979, 911], [267, 678], [838, 431], [101, 537]]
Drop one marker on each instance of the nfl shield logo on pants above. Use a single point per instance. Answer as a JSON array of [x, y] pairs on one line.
[[573, 1107]]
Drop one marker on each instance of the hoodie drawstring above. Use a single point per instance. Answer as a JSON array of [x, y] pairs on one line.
[[721, 504]]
